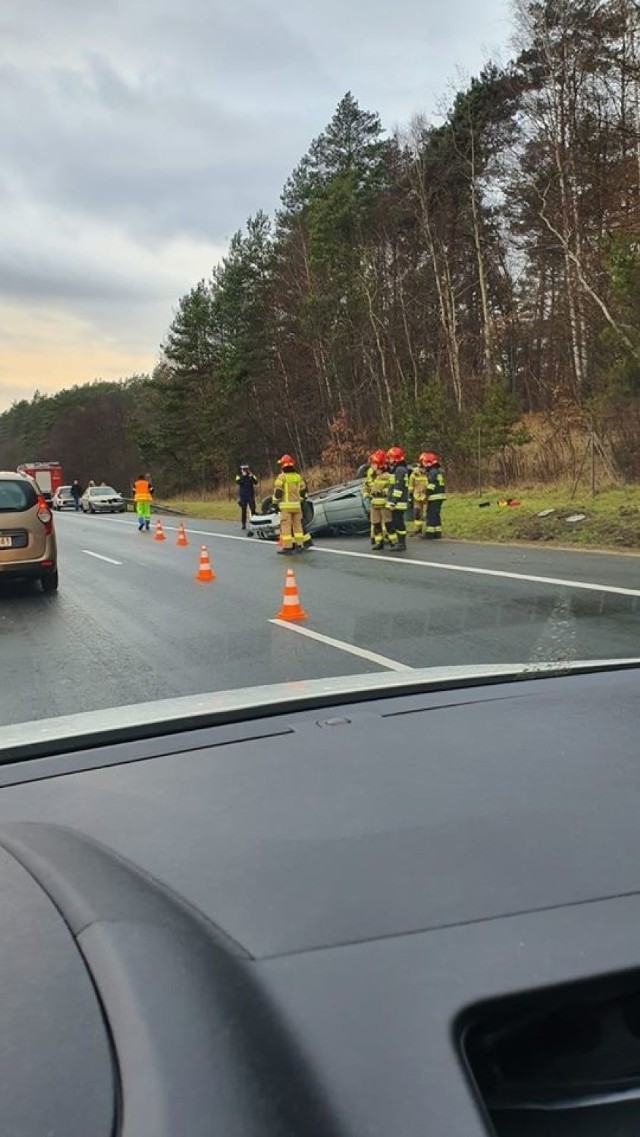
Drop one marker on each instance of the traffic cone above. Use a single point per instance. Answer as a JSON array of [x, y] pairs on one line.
[[159, 534], [291, 608], [182, 537], [205, 573]]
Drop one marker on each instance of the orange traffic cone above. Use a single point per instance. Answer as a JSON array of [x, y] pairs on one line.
[[291, 608], [205, 573], [182, 537], [159, 534]]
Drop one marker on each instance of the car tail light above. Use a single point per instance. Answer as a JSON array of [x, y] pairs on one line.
[[45, 516]]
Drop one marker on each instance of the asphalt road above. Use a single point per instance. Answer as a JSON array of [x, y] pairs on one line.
[[130, 624]]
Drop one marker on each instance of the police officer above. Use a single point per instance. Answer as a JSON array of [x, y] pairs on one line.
[[418, 481], [375, 492], [436, 496], [246, 482], [397, 498], [289, 492]]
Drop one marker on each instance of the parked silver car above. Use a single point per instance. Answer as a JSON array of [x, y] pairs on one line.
[[102, 499], [63, 498]]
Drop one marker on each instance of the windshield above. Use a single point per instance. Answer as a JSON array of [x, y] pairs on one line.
[[345, 299]]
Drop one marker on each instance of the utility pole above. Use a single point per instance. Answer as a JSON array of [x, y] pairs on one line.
[[479, 459]]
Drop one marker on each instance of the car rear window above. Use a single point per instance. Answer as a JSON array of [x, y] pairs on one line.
[[16, 497]]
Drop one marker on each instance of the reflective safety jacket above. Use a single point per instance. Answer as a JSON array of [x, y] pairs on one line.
[[289, 490], [142, 490], [376, 487], [435, 486], [418, 482], [398, 492]]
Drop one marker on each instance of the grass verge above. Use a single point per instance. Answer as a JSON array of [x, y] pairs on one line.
[[612, 518]]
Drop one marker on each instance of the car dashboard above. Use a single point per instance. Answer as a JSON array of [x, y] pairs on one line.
[[408, 913]]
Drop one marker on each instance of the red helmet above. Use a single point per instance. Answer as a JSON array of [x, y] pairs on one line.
[[430, 459], [378, 458], [395, 455], [286, 460]]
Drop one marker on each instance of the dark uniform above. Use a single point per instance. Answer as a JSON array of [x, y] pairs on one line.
[[246, 483], [397, 498], [437, 494]]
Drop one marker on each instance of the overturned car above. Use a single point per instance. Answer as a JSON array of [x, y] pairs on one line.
[[339, 511]]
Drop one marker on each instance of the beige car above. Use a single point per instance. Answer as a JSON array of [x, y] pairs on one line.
[[27, 537]]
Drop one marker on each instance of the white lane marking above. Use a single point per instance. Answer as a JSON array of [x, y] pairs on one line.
[[371, 656], [400, 560], [99, 557], [204, 533], [587, 586]]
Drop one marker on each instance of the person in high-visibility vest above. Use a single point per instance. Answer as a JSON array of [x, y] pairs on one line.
[[289, 492], [397, 499], [142, 497], [436, 496], [418, 482], [375, 490]]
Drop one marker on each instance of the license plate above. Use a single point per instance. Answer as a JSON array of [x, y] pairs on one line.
[[6, 542]]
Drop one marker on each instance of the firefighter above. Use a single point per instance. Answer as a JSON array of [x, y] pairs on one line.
[[142, 497], [397, 498], [289, 492], [375, 492], [376, 464], [418, 481], [436, 496]]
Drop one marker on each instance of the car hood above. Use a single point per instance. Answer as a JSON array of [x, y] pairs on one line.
[[211, 708]]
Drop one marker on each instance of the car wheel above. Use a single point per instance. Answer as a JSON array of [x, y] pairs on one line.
[[91, 509], [49, 582], [267, 505]]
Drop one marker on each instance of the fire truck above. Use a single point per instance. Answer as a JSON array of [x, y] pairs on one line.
[[48, 475]]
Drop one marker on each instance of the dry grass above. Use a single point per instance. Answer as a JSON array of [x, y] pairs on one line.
[[612, 518]]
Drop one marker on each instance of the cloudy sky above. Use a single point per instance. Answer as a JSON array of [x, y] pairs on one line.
[[137, 135]]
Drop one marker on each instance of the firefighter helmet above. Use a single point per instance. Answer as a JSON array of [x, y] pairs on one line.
[[395, 455], [430, 459], [286, 460], [378, 458]]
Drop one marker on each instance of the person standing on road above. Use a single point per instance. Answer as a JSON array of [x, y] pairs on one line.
[[142, 498], [246, 482], [289, 492], [397, 498], [436, 496], [76, 493], [418, 482], [376, 488]]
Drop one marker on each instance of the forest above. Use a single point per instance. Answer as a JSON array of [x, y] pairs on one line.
[[452, 286]]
